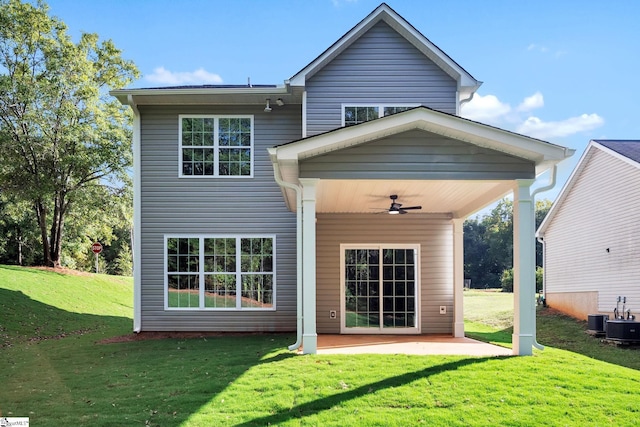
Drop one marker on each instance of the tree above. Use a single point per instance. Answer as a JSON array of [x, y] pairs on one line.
[[488, 245], [60, 132]]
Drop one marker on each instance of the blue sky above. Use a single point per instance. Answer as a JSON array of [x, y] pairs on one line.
[[562, 71]]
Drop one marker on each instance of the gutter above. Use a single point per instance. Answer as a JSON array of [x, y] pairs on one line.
[[299, 288], [552, 183], [137, 231]]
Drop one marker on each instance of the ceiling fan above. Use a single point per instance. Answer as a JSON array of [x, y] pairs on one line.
[[396, 208]]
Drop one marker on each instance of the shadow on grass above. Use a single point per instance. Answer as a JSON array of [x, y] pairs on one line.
[[326, 403], [24, 319], [502, 338], [52, 360]]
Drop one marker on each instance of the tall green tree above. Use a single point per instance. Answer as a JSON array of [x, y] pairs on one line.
[[60, 131], [488, 244]]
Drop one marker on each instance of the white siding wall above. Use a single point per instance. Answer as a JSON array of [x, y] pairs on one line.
[[593, 242], [435, 236]]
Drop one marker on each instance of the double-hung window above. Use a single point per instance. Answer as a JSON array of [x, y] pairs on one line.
[[356, 114], [216, 146], [220, 272]]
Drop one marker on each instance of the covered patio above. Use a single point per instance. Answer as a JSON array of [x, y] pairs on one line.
[[422, 345], [337, 183]]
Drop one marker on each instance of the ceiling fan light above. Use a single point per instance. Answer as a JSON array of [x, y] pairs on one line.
[[393, 212]]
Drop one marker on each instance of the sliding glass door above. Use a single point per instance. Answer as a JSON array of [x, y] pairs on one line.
[[380, 289]]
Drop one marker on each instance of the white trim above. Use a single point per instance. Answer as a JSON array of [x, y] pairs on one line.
[[458, 277], [418, 290], [201, 273], [137, 222], [304, 114], [215, 146], [380, 107], [309, 334], [544, 154], [406, 30], [615, 154], [524, 269]]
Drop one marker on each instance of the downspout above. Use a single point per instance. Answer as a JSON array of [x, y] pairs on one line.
[[299, 289], [137, 232], [552, 183]]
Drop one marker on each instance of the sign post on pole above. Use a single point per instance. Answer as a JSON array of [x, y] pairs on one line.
[[96, 248]]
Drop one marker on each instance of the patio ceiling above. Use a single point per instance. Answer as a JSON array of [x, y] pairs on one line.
[[455, 198]]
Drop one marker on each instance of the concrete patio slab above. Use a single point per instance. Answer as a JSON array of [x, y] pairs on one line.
[[407, 344]]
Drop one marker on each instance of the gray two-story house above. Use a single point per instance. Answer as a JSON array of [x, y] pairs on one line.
[[332, 203]]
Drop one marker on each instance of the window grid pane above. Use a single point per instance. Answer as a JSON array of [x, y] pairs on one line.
[[223, 284], [199, 146]]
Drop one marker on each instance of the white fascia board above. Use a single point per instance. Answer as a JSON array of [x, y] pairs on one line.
[[123, 94], [567, 187], [466, 82], [540, 152], [615, 154], [577, 171]]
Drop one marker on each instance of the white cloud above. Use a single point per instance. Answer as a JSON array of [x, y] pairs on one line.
[[490, 110], [537, 128], [485, 109], [163, 76], [532, 102], [544, 50], [538, 48]]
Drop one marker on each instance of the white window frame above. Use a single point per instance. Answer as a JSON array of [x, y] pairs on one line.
[[418, 289], [380, 108], [215, 146], [201, 273]]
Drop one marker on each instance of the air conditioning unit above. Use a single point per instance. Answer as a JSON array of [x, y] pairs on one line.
[[596, 323], [623, 331]]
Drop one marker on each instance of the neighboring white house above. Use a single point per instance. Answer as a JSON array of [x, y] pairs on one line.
[[592, 233]]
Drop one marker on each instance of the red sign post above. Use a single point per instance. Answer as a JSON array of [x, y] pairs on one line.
[[96, 248]]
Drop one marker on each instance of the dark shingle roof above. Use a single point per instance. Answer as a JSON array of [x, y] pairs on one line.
[[627, 148]]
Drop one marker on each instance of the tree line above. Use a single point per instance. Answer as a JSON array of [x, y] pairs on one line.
[[488, 247]]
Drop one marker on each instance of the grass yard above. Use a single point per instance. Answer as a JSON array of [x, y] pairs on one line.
[[54, 370]]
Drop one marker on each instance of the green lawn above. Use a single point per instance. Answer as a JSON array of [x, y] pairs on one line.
[[54, 370]]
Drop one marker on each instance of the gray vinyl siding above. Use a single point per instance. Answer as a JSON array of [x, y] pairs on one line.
[[416, 155], [593, 242], [433, 234], [229, 206], [379, 67]]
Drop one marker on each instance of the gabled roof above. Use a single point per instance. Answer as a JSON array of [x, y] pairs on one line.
[[457, 197], [467, 84], [627, 148], [627, 151], [542, 153]]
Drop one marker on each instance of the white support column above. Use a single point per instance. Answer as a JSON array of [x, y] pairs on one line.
[[458, 278], [309, 335], [524, 269]]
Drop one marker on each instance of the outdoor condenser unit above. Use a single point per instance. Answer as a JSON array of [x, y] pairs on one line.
[[596, 323], [623, 331]]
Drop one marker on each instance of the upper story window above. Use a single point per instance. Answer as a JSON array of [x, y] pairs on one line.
[[356, 114], [216, 146]]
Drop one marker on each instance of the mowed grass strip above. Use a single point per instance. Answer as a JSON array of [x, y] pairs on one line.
[[255, 381]]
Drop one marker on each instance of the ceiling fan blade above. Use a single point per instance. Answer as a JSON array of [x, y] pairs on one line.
[[411, 208]]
